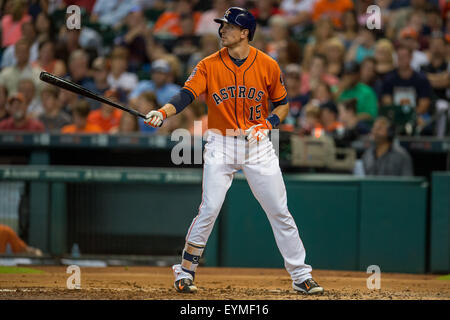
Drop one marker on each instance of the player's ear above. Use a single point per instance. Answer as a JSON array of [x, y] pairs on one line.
[[245, 33]]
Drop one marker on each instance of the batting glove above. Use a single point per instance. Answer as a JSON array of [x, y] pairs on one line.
[[258, 132], [155, 118]]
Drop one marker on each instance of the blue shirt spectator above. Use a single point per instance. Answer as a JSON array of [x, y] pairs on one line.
[[159, 83], [111, 12]]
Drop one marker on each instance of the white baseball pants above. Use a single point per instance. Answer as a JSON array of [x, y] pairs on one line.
[[225, 155]]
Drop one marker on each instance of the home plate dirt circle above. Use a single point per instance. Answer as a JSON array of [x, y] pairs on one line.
[[214, 283]]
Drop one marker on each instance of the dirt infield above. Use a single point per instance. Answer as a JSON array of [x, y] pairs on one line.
[[214, 283]]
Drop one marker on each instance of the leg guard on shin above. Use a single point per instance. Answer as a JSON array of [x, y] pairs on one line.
[[191, 258]]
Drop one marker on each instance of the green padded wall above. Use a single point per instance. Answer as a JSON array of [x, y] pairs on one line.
[[329, 235], [440, 223], [393, 225]]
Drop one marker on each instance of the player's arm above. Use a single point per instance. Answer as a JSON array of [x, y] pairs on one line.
[[281, 111], [175, 105]]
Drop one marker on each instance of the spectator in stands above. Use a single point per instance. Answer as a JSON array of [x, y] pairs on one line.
[[107, 117], [134, 39], [199, 113], [297, 13], [206, 24], [188, 42], [384, 57], [399, 17], [438, 74], [8, 238], [100, 70], [321, 94], [159, 84], [53, 117], [119, 78], [434, 21], [329, 119], [68, 41], [335, 52], [363, 46], [260, 42], [29, 34], [168, 24], [349, 30], [10, 76], [350, 87], [353, 128], [406, 87], [80, 112], [79, 69], [111, 12], [67, 100], [128, 124], [19, 120], [278, 34], [209, 43], [323, 30], [331, 8], [47, 61], [11, 24], [312, 125], [408, 37], [3, 100], [88, 5], [316, 74], [28, 88], [385, 157], [296, 100], [44, 27], [369, 76], [437, 71], [263, 11]]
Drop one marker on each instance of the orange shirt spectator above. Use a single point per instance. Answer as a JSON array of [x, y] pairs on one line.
[[332, 8], [105, 121], [169, 22], [12, 30], [80, 113], [88, 128], [8, 236]]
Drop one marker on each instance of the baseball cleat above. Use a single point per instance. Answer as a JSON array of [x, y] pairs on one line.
[[308, 286], [185, 285]]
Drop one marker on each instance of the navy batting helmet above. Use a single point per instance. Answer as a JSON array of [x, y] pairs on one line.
[[240, 17]]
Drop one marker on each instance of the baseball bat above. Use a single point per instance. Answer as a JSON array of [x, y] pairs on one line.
[[75, 88]]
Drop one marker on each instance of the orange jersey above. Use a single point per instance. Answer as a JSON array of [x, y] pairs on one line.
[[96, 117], [333, 9], [8, 236], [170, 22], [89, 128], [237, 97]]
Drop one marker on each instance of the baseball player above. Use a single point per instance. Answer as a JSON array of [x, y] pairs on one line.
[[238, 81]]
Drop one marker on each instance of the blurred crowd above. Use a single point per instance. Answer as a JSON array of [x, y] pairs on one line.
[[340, 75]]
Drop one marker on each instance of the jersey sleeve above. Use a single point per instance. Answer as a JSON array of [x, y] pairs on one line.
[[196, 83], [277, 91]]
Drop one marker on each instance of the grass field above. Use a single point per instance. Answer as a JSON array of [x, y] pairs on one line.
[[18, 270]]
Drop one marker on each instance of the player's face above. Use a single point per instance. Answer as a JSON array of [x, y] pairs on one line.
[[231, 34]]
